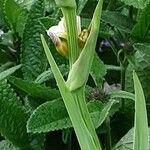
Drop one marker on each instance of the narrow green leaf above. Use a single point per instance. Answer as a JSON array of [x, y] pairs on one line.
[[8, 72], [35, 89], [121, 94], [141, 135], [140, 30]]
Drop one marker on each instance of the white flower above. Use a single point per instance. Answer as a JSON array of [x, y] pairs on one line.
[[58, 35]]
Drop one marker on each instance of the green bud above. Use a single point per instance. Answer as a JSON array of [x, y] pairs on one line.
[[66, 3]]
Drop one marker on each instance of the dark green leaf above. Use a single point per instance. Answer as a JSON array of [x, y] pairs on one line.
[[35, 89], [13, 117], [141, 28], [32, 55], [15, 15], [137, 4], [142, 68], [98, 71], [117, 20], [81, 5]]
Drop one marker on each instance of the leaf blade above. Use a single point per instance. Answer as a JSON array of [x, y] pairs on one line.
[[141, 124]]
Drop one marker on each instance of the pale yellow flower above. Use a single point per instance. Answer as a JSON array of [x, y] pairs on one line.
[[58, 35]]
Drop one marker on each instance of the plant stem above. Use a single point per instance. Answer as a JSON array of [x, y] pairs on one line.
[[71, 25], [81, 102], [108, 135], [123, 70]]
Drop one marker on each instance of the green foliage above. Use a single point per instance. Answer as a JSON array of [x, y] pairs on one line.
[[13, 117], [141, 135], [117, 20], [137, 4], [121, 94], [25, 3], [126, 142], [15, 15], [52, 116], [35, 89], [8, 72], [41, 90], [47, 75], [49, 116], [98, 71], [141, 66], [32, 56], [81, 5], [141, 28], [6, 145]]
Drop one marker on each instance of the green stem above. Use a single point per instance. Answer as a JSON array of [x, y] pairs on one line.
[[122, 85], [71, 25], [81, 102], [108, 135]]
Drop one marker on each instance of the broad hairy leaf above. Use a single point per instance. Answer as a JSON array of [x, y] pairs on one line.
[[98, 71], [32, 56], [142, 68], [15, 15], [52, 116], [126, 142], [35, 89], [140, 30], [8, 72], [141, 135], [49, 116], [13, 117], [136, 3], [117, 20]]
